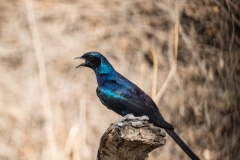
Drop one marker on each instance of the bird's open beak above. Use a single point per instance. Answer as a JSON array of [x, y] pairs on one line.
[[80, 64]]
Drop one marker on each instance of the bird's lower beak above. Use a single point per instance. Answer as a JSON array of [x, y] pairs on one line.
[[80, 64]]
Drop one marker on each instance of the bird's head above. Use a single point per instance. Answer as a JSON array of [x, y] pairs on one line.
[[96, 61]]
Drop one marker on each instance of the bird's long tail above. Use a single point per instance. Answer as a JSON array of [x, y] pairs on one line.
[[184, 147]]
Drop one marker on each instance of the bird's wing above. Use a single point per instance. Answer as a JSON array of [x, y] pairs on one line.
[[125, 100]]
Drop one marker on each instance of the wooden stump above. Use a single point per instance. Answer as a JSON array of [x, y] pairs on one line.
[[130, 138]]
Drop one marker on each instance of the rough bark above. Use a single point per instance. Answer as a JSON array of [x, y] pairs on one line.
[[130, 138]]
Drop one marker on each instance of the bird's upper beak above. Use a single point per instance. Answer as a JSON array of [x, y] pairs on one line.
[[83, 64]]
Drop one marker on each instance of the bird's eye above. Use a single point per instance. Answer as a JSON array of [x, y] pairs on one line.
[[90, 58]]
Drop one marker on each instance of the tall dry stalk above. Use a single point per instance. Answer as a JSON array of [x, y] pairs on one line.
[[155, 71], [83, 129], [174, 62], [43, 79], [70, 144]]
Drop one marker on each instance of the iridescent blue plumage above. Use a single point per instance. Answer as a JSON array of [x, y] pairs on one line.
[[124, 97]]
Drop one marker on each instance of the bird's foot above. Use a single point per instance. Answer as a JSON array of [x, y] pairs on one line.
[[134, 121]]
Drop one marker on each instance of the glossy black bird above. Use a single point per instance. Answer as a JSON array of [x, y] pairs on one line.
[[124, 97]]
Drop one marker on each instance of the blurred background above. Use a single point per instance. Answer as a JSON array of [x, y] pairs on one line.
[[49, 110]]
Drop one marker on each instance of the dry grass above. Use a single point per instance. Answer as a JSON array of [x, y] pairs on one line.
[[49, 110]]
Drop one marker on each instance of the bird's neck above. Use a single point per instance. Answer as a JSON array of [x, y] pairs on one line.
[[104, 72], [102, 77]]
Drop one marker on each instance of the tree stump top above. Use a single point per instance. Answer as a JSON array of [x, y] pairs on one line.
[[130, 138]]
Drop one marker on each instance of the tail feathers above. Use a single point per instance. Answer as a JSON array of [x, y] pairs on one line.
[[184, 147]]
